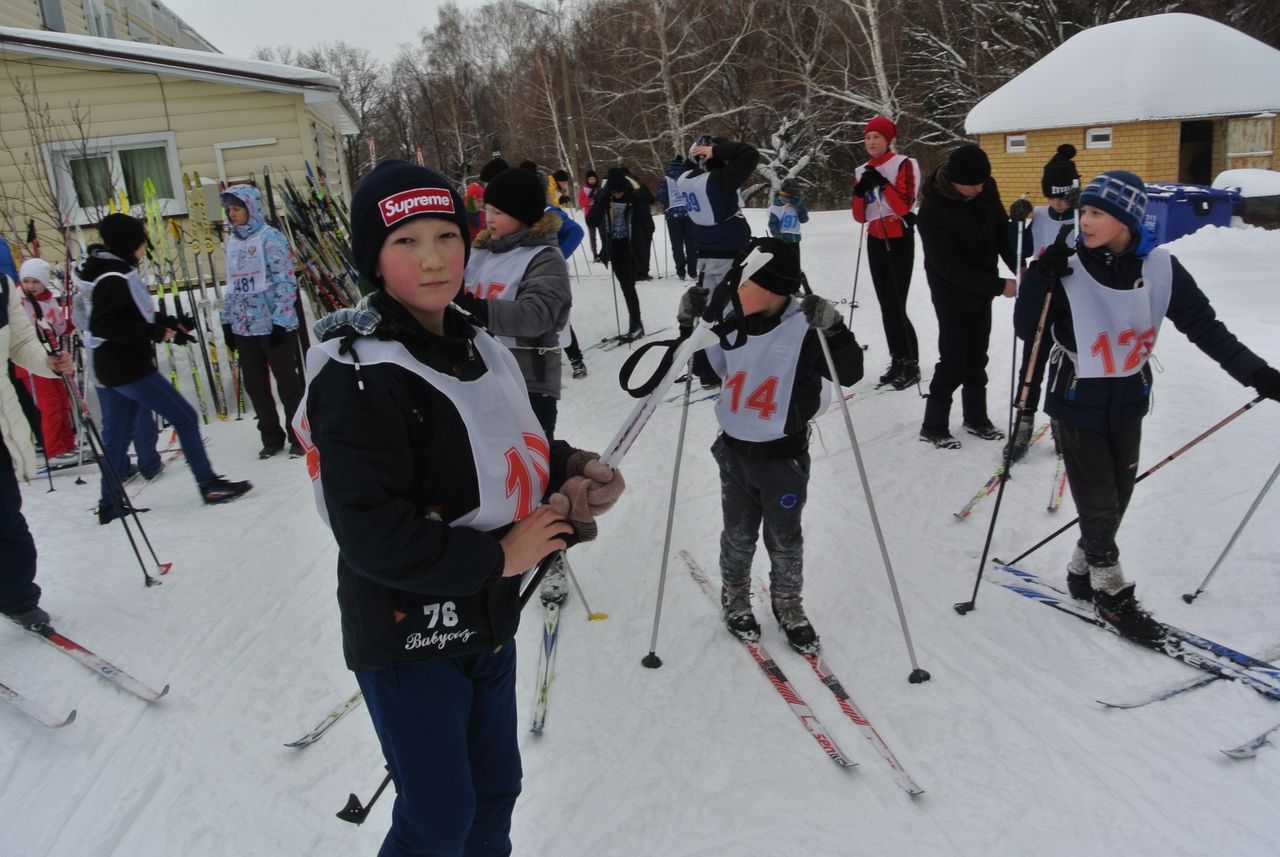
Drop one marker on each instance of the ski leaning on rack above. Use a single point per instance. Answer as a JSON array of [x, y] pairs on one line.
[[33, 712], [991, 484], [546, 664], [350, 704], [1180, 645], [99, 665], [1179, 688], [776, 676]]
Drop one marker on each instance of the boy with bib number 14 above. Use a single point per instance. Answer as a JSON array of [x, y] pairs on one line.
[[1104, 317]]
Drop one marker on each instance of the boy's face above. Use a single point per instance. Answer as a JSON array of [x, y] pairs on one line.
[[238, 215], [756, 299], [33, 287], [500, 223], [1059, 204], [968, 191], [876, 143], [421, 265], [1099, 229]]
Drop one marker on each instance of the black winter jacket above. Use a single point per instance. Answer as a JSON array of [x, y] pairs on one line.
[[396, 465], [1112, 404], [129, 352], [961, 239]]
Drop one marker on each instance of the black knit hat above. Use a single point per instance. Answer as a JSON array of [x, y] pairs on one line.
[[561, 176], [616, 181], [390, 196], [122, 235], [781, 274], [517, 193], [1060, 172], [968, 165], [491, 169]]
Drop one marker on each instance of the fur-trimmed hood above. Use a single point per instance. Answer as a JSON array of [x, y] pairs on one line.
[[542, 232]]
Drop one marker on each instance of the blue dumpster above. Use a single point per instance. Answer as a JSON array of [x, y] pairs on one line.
[[1175, 210]]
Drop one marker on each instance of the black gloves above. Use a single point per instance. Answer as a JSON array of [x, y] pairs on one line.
[[181, 337], [1020, 210], [871, 179], [277, 335], [1267, 382], [479, 309], [228, 337], [693, 303], [1053, 261], [819, 312]]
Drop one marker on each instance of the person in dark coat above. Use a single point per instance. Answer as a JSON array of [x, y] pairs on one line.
[[709, 187], [616, 212], [435, 477], [964, 230], [1104, 319]]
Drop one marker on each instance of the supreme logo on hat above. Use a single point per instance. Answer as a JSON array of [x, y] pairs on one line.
[[407, 203]]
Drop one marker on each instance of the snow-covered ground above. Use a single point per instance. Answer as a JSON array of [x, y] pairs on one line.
[[700, 757]]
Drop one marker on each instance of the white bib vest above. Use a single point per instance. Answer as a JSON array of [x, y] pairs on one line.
[[788, 220], [759, 377], [137, 290], [691, 189], [510, 451], [1116, 330], [496, 276], [877, 208], [246, 265], [1044, 229]]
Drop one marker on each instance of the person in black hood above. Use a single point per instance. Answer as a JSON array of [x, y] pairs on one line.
[[964, 230], [615, 212], [123, 331], [431, 469], [1104, 319]]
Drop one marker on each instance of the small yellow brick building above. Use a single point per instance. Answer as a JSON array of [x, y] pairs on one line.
[[1169, 97]]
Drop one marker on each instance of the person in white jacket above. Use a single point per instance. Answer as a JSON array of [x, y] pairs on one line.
[[19, 342]]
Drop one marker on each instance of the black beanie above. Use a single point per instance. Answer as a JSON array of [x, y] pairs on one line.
[[393, 194], [616, 181], [517, 193], [491, 169], [122, 235], [1060, 172], [781, 274], [561, 176], [529, 166], [968, 165]]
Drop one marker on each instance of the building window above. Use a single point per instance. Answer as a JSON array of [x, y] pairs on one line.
[[90, 174], [51, 15], [1097, 138], [1015, 144]]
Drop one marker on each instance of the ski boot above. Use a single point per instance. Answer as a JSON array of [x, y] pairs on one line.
[[1021, 435], [1122, 611], [984, 430], [107, 513], [1078, 582], [941, 438], [891, 373], [735, 599], [555, 584], [908, 375], [219, 490], [270, 450], [34, 619], [579, 368], [793, 622]]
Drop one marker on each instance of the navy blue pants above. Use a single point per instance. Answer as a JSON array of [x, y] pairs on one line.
[[448, 732], [18, 590], [119, 417]]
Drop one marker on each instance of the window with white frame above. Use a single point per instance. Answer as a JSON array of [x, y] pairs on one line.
[[1097, 138], [1015, 144], [90, 174]]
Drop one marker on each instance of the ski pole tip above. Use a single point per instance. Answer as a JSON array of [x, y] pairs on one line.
[[594, 617], [164, 567], [651, 661], [919, 676], [963, 607], [1189, 596]]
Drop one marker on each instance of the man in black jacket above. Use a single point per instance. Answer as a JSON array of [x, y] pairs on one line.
[[963, 227]]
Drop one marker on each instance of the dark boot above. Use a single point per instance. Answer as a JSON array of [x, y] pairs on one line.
[[892, 372], [1022, 434], [1122, 611], [1078, 582], [907, 375], [973, 406], [795, 624], [735, 599]]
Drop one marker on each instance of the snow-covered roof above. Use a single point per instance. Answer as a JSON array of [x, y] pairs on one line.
[[321, 90], [1170, 66]]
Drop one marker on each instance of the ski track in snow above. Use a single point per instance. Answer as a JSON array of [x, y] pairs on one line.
[[700, 757]]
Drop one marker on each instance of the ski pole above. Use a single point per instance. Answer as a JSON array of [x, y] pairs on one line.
[[964, 607], [857, 266], [1161, 463], [354, 811], [918, 674], [577, 587], [1191, 596], [651, 660]]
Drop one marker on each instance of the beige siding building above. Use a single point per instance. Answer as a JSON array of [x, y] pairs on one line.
[[131, 20], [84, 118], [1127, 96]]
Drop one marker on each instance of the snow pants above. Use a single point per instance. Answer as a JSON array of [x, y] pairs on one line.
[[259, 359], [962, 362], [683, 250], [448, 731], [18, 589], [56, 429], [1101, 469], [890, 261], [768, 491]]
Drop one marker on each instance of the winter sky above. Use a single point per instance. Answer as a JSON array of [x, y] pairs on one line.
[[238, 26]]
